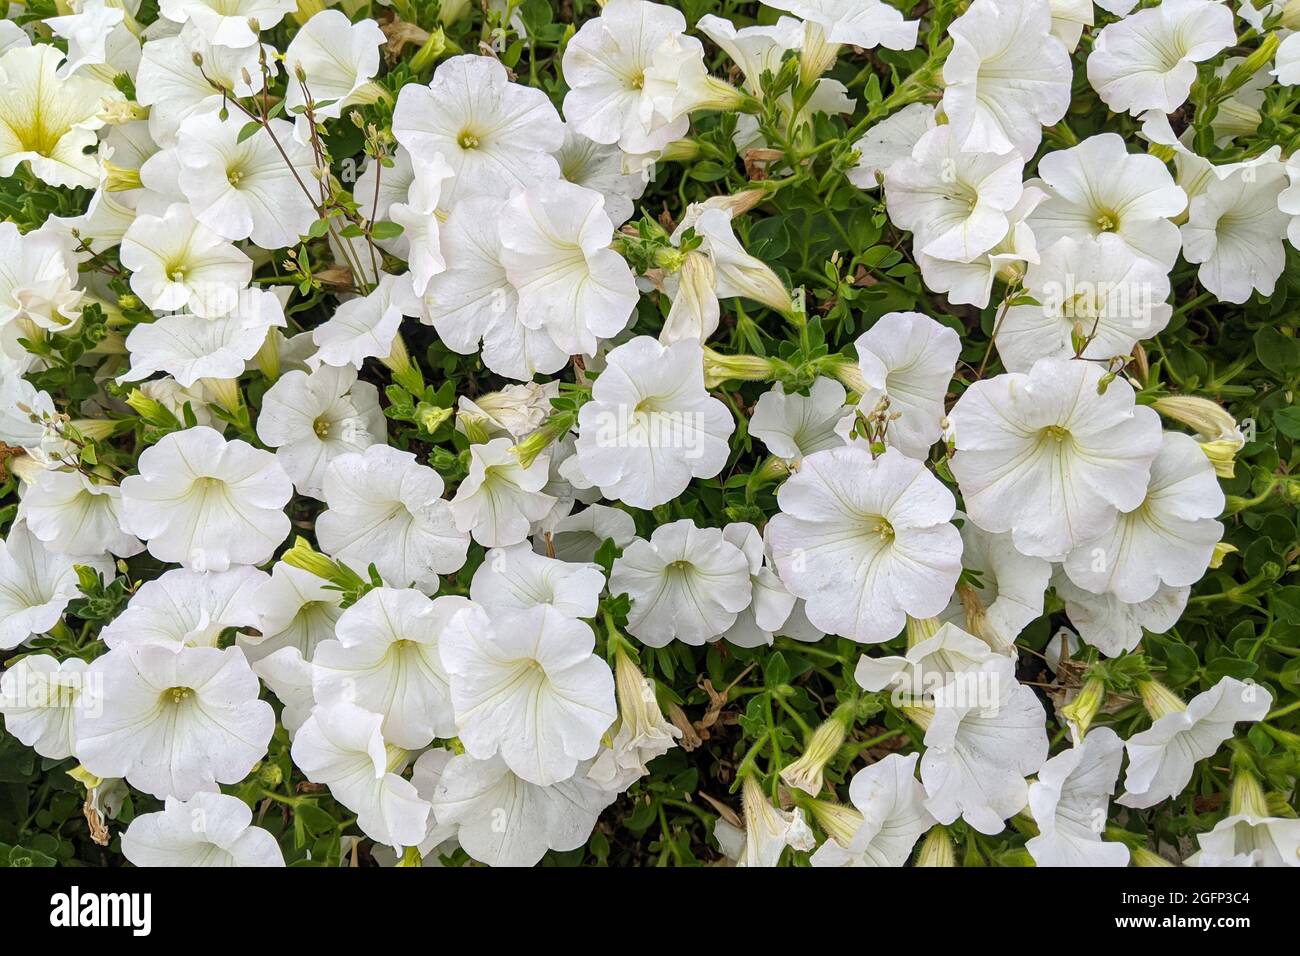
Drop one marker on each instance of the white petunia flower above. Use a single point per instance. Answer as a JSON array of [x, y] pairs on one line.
[[48, 122], [769, 830], [227, 23], [71, 514], [312, 419], [295, 610], [1010, 586], [1235, 231], [39, 697], [1148, 59], [500, 498], [1006, 77], [987, 733], [173, 722], [288, 676], [577, 537], [472, 303], [100, 44], [1044, 456], [1070, 801], [771, 604], [892, 804], [527, 685], [1286, 66], [38, 278], [1112, 626], [605, 65], [955, 203], [794, 426], [556, 255], [177, 262], [338, 58], [865, 541], [1162, 758], [384, 657], [342, 746], [385, 508], [517, 578], [205, 502], [241, 186], [686, 583], [174, 87], [650, 426], [209, 829], [888, 141], [190, 347], [927, 666], [36, 585], [604, 168], [501, 819], [1099, 188], [860, 23], [1263, 840], [496, 135], [908, 359], [363, 327], [417, 215], [642, 735], [1098, 287], [753, 49], [1167, 540], [184, 608]]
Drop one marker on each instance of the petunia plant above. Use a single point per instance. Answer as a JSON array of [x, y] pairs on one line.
[[812, 433]]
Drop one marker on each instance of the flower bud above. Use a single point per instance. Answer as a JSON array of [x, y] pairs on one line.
[[1221, 551], [841, 823], [1208, 419], [937, 850], [1222, 454], [1158, 699], [720, 368], [1141, 856], [919, 630], [1248, 796], [806, 773], [1084, 708]]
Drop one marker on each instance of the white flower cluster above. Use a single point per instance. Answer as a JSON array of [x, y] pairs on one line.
[[504, 718]]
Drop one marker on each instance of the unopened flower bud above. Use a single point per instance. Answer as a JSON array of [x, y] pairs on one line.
[[1084, 708], [806, 773], [937, 849], [1158, 699]]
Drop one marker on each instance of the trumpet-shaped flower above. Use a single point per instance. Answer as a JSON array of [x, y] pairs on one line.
[[954, 202], [172, 721], [71, 514], [1167, 540], [228, 23], [1162, 758], [604, 168], [1099, 188], [36, 585], [605, 66], [771, 604], [182, 608], [556, 255], [205, 502], [209, 829], [39, 697], [792, 425], [386, 509], [496, 135], [527, 685], [48, 122], [907, 360], [294, 610], [384, 657], [342, 746], [686, 583], [517, 578], [650, 426], [241, 186], [865, 541], [1010, 589], [500, 497], [1098, 287], [987, 734], [892, 803], [38, 278], [1070, 801], [338, 59], [1006, 77], [1112, 626], [1148, 59], [310, 419], [1044, 456], [176, 262], [363, 327], [501, 819]]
